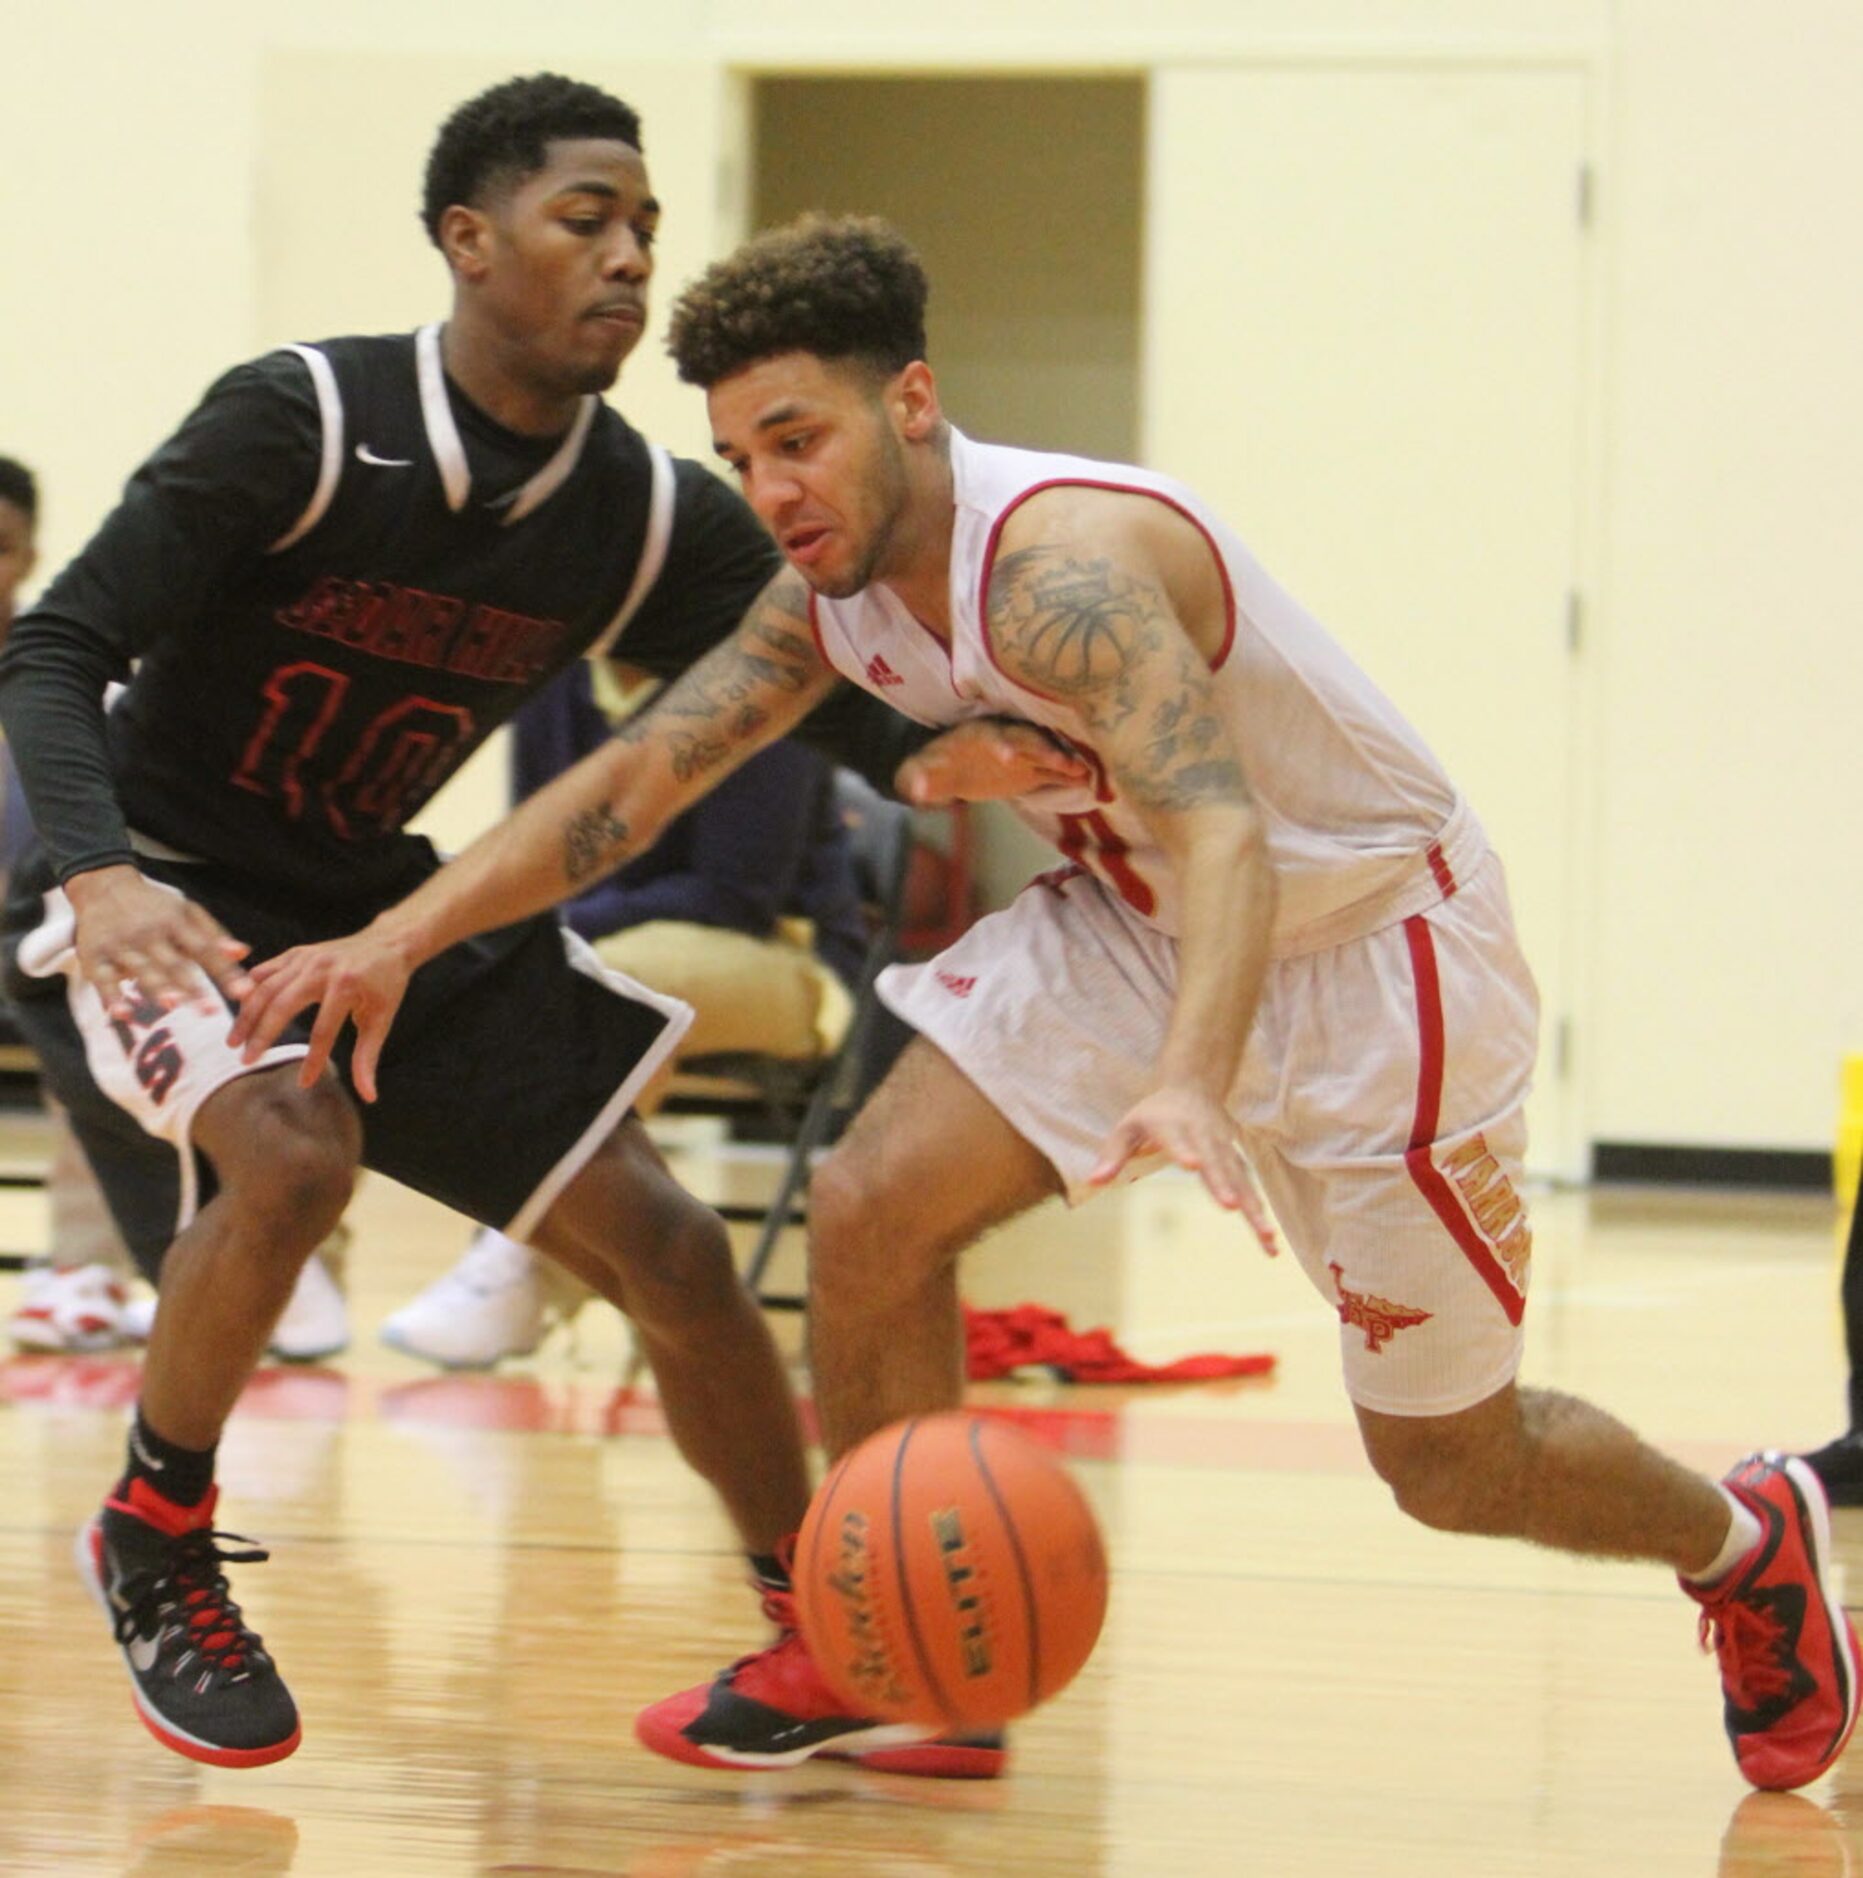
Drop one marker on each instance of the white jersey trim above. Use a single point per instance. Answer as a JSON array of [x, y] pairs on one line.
[[583, 958], [652, 549], [330, 465], [449, 453]]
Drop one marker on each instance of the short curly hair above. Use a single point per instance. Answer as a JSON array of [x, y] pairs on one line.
[[841, 287], [502, 136], [19, 487]]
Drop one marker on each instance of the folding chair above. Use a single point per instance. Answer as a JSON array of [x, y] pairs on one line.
[[820, 1092]]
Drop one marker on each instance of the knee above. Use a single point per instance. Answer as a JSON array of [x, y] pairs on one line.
[[294, 1166], [840, 1207], [863, 1236], [663, 1257], [1448, 1479]]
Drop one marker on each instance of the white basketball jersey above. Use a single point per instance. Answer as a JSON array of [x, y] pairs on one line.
[[1363, 826]]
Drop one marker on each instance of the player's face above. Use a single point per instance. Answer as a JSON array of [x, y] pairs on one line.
[[16, 556], [820, 452], [566, 256]]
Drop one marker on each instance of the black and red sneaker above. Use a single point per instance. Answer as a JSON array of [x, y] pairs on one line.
[[774, 1709], [201, 1680], [1787, 1652]]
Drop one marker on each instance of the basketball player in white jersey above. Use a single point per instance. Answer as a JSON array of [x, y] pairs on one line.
[[1278, 931]]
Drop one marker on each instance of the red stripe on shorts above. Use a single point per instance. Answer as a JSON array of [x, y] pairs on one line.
[[1428, 1177]]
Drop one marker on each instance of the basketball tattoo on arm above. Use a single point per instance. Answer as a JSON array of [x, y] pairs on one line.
[[1103, 639]]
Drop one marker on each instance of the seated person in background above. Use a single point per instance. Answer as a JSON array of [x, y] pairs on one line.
[[746, 908], [78, 1300], [74, 1302]]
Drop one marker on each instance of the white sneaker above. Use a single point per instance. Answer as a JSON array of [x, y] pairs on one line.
[[138, 1318], [73, 1310], [495, 1302], [315, 1323]]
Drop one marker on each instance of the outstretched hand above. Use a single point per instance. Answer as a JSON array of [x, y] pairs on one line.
[[359, 980], [1196, 1133], [987, 759], [133, 932]]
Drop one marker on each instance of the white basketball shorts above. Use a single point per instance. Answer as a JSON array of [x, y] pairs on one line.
[[1380, 1103]]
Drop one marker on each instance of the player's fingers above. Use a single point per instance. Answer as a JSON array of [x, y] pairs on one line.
[[332, 1014], [1121, 1145], [1040, 755], [267, 1008], [923, 782], [370, 1035], [1225, 1172], [1260, 1220], [211, 947], [107, 978], [256, 1027], [165, 971], [203, 934]]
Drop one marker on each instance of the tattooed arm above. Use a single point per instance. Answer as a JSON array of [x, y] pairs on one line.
[[608, 808], [1112, 604]]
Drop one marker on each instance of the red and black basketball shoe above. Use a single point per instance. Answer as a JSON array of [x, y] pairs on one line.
[[1787, 1652], [201, 1680], [775, 1709]]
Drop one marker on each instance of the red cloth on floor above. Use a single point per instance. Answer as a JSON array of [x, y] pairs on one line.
[[997, 1343]]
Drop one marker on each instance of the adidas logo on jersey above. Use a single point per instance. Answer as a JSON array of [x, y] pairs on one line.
[[958, 985], [880, 673]]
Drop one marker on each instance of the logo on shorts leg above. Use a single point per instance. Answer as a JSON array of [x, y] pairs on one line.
[[1497, 1208], [156, 1058], [959, 985], [1377, 1317]]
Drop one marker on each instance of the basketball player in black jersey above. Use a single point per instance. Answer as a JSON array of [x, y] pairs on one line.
[[347, 567]]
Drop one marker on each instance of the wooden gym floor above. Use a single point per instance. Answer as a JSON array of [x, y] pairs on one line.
[[477, 1580]]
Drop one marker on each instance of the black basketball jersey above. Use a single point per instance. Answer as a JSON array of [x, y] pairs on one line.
[[324, 592]]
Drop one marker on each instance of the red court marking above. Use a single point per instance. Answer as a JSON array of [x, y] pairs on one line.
[[1121, 1430]]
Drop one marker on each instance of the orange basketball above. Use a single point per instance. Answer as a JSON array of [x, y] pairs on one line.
[[949, 1572]]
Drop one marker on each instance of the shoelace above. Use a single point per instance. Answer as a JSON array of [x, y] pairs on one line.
[[1751, 1645], [779, 1605], [785, 1666], [191, 1581]]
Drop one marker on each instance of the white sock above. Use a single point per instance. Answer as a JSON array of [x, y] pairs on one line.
[[1743, 1534]]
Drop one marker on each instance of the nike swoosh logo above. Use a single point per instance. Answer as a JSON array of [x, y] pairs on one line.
[[142, 1653], [143, 1455], [365, 455]]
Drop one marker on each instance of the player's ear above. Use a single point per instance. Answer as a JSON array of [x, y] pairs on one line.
[[915, 401], [464, 240]]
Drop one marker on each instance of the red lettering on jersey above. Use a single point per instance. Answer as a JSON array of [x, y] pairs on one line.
[[1092, 841], [383, 773], [403, 756], [411, 626]]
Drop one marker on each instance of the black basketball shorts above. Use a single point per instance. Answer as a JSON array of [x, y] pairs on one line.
[[512, 1058]]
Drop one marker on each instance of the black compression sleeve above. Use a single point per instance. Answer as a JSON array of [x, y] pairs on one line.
[[229, 482]]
